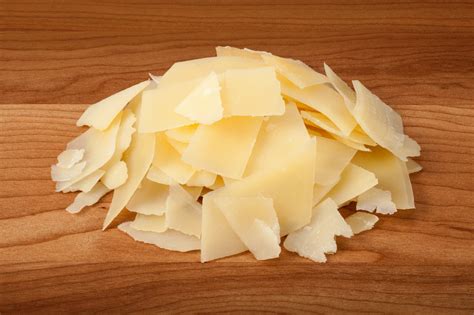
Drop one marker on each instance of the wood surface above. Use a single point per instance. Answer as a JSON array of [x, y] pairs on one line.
[[416, 55]]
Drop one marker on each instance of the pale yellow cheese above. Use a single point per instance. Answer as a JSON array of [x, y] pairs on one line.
[[223, 147], [182, 134], [318, 238], [169, 239], [202, 178], [168, 160], [218, 183], [392, 175], [86, 184], [228, 51], [376, 199], [100, 115], [344, 90], [183, 212], [89, 198], [320, 191], [178, 146], [254, 220], [332, 158], [289, 184], [278, 136], [251, 92], [158, 176], [382, 124], [138, 159], [295, 71], [149, 199], [218, 239], [158, 107], [413, 166], [61, 174], [361, 221], [323, 99], [116, 175], [321, 121], [354, 181], [69, 158], [150, 223], [199, 68], [203, 105], [99, 147], [194, 191], [350, 143]]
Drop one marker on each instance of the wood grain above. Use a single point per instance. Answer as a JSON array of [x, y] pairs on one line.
[[76, 52]]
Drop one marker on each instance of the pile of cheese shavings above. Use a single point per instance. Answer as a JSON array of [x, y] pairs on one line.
[[231, 153]]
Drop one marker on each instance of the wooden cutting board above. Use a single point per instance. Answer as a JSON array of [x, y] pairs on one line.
[[77, 52]]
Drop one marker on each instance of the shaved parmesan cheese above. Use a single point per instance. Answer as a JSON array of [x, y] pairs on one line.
[[295, 71], [278, 136], [100, 115], [361, 221], [99, 147], [321, 121], [254, 220], [354, 181], [391, 173], [203, 104], [158, 176], [251, 92], [69, 158], [376, 199], [202, 178], [86, 184], [178, 146], [170, 162], [318, 238], [150, 223], [170, 239], [199, 68], [382, 124], [85, 199], [195, 192], [323, 99], [290, 185], [138, 161], [116, 175], [218, 239], [183, 213], [346, 92], [181, 134], [351, 144], [332, 158], [228, 51], [320, 191], [149, 199], [61, 174], [159, 104], [223, 147], [413, 166], [219, 182]]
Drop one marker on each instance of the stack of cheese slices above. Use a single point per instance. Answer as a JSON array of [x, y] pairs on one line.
[[231, 153]]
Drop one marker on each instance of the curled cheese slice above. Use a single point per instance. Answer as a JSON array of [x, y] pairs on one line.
[[86, 184], [89, 198], [69, 158], [61, 174], [169, 239], [361, 221], [100, 115], [318, 238], [116, 175], [382, 124]]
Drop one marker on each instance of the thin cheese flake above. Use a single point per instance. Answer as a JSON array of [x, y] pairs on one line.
[[224, 147], [69, 158], [183, 212], [203, 105], [251, 92], [376, 199], [254, 220], [116, 175], [89, 198], [149, 223], [100, 115], [149, 199], [318, 238], [182, 134], [361, 221], [346, 92]]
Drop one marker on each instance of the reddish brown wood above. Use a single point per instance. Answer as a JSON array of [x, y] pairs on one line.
[[76, 52]]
